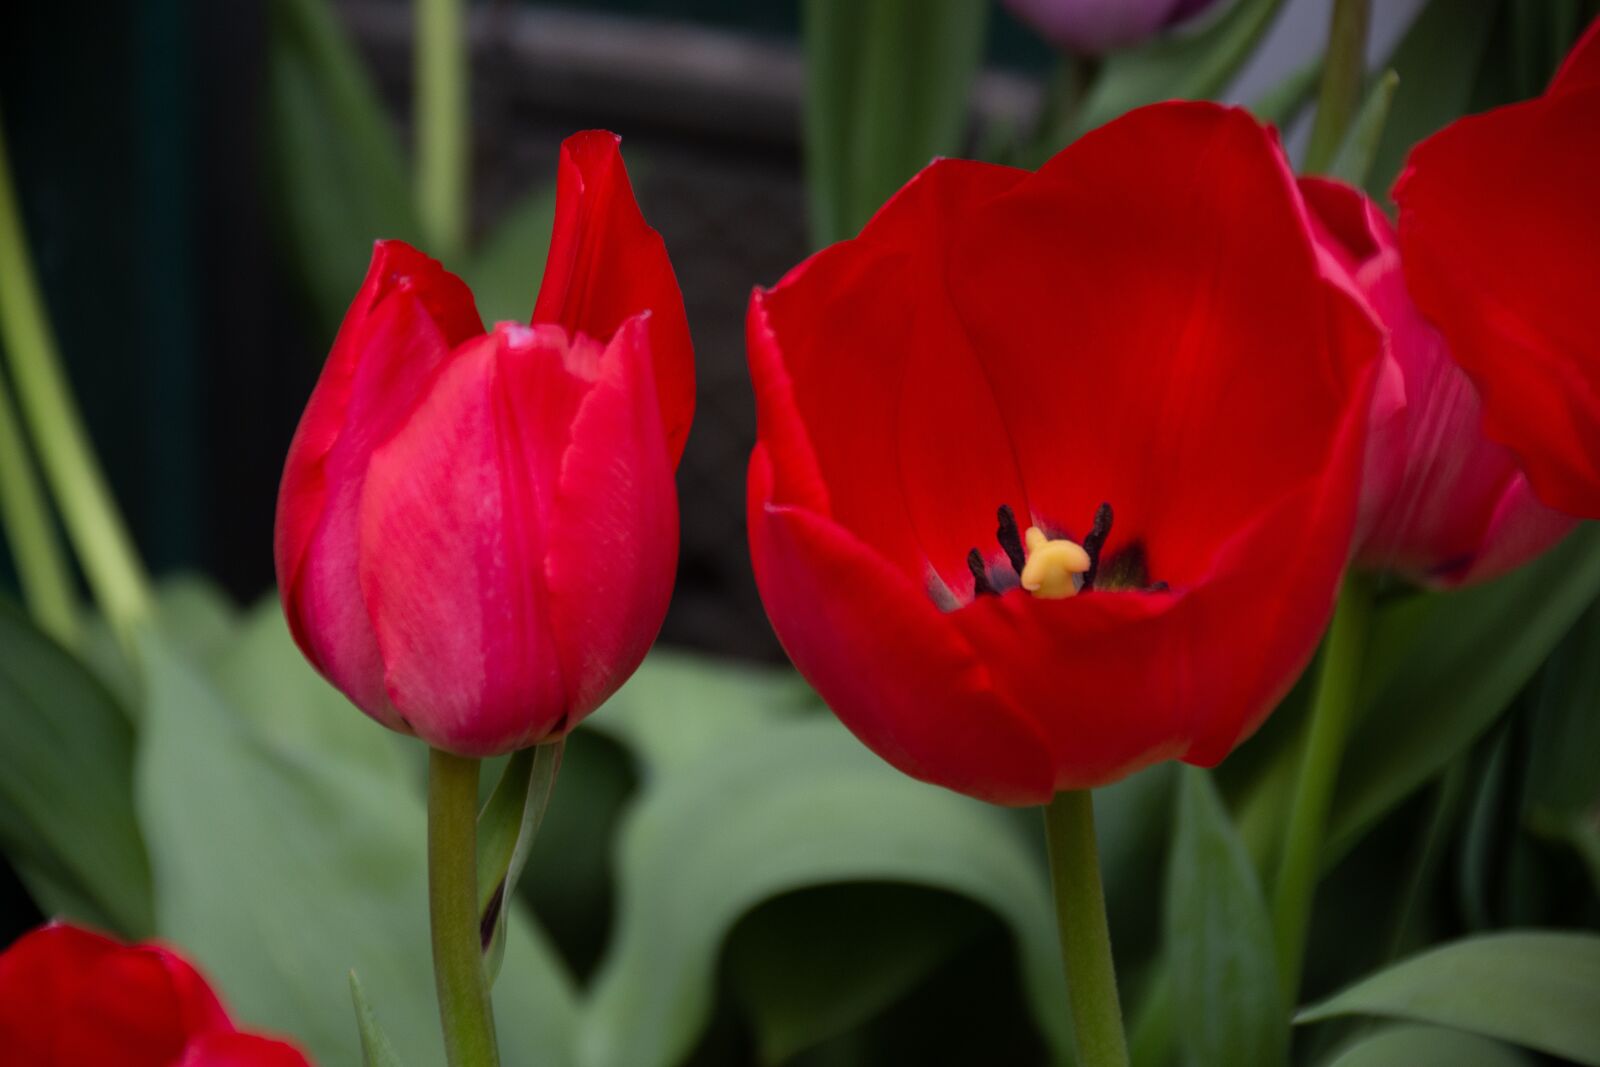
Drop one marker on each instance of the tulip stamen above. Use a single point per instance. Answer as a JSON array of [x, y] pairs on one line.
[[1054, 568], [1010, 539], [980, 575]]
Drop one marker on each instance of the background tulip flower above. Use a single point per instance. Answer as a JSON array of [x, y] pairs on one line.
[[1094, 26], [1159, 371], [1443, 504], [477, 531], [1500, 237], [69, 998]]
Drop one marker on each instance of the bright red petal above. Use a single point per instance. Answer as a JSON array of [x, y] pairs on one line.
[[607, 265], [39, 975], [1581, 69], [1500, 238], [139, 1007], [241, 1050]]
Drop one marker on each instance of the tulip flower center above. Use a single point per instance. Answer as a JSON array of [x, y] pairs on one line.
[[1056, 567]]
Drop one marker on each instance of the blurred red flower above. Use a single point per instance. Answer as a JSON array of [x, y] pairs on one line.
[[1137, 352], [1500, 237], [1442, 504], [69, 998], [477, 532]]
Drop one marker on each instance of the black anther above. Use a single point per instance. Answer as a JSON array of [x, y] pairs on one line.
[[1010, 539], [1096, 540], [980, 575]]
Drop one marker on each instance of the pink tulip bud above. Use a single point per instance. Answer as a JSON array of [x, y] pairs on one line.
[[1094, 26]]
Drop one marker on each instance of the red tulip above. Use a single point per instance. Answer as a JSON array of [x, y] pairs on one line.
[[1443, 504], [1500, 237], [69, 998], [477, 531], [1134, 350]]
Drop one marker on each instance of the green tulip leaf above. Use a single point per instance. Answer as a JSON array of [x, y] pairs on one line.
[[1562, 797], [1463, 656], [282, 864], [1281, 104], [507, 827], [888, 88], [1189, 65], [1426, 1046], [506, 271], [66, 785], [1227, 1002], [376, 1049], [1353, 161], [794, 804], [1537, 989]]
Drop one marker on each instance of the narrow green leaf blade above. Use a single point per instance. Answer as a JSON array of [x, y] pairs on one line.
[[1537, 989], [507, 827], [1226, 997], [1353, 162], [376, 1051], [1427, 1046]]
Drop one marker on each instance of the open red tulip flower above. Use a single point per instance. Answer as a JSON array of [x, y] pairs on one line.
[[1057, 472], [477, 531], [70, 998], [1500, 237], [1443, 505]]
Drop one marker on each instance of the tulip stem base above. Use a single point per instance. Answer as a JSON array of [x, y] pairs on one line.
[[1085, 937], [1332, 705], [463, 987]]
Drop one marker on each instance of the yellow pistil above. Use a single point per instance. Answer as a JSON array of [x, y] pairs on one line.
[[1051, 565]]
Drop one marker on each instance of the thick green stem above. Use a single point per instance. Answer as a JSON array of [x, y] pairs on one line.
[[1344, 71], [441, 110], [463, 988], [1300, 863], [25, 515], [1085, 937], [92, 520]]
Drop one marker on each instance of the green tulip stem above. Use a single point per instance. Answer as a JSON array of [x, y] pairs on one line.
[[1332, 705], [1085, 936], [441, 110], [1344, 72], [463, 987], [24, 513], [116, 575]]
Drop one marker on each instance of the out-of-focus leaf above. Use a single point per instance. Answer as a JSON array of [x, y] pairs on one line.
[[1538, 989], [1353, 162], [283, 865], [1227, 1002], [376, 1051], [1436, 61], [811, 965], [66, 784], [1283, 102], [887, 89], [1562, 798], [794, 804], [1426, 1046], [506, 271], [1481, 833], [340, 177], [195, 615], [1195, 65], [1475, 650]]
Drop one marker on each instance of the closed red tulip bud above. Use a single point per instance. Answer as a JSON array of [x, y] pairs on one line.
[[1443, 504], [1057, 472], [69, 998], [1500, 238], [477, 532]]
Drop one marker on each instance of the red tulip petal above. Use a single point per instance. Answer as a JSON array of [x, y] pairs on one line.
[[1141, 306], [1500, 238], [39, 974], [1581, 69], [138, 1007], [860, 349], [241, 1050], [895, 669], [607, 265], [613, 551], [410, 311]]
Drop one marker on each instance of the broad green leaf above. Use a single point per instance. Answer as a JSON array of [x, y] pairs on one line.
[[506, 271], [1194, 65], [376, 1051], [281, 865], [341, 181], [809, 966], [1426, 1046], [1562, 799], [195, 615], [1460, 669], [1353, 162], [1227, 1002], [1537, 989], [66, 784], [887, 89], [786, 806], [1436, 62]]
